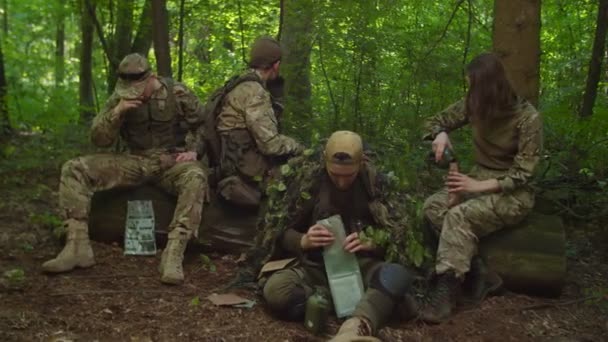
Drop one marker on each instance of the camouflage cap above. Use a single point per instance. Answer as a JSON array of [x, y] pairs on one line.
[[343, 153], [265, 51], [133, 72]]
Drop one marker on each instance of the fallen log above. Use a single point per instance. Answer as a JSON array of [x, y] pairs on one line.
[[531, 256], [224, 227]]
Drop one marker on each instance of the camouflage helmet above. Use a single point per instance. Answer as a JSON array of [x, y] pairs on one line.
[[343, 152], [133, 72], [265, 51]]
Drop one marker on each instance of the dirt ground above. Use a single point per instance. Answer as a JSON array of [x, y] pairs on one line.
[[122, 299]]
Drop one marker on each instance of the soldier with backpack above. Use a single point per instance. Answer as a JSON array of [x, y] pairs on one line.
[[242, 137], [159, 121]]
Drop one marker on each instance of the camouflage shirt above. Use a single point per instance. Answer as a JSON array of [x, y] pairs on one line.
[[106, 127], [510, 141], [249, 106]]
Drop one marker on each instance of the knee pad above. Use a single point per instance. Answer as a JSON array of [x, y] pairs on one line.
[[393, 280], [233, 189]]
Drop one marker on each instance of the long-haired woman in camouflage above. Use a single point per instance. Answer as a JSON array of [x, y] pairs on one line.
[[507, 136]]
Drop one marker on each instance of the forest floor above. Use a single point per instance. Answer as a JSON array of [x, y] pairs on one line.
[[122, 299]]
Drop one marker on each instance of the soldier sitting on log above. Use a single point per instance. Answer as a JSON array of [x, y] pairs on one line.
[[243, 137], [507, 136], [160, 122]]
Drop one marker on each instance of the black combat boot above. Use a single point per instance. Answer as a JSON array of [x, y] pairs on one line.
[[442, 299]]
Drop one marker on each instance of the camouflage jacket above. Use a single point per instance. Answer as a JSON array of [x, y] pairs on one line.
[[298, 184], [249, 107], [510, 141], [187, 116]]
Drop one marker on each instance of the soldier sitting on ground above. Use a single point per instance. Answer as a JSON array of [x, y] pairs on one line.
[[344, 184], [507, 136], [148, 113]]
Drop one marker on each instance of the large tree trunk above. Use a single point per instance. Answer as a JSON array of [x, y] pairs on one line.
[[5, 123], [122, 38], [143, 39], [516, 38], [160, 34], [595, 64], [296, 39], [60, 46], [87, 28]]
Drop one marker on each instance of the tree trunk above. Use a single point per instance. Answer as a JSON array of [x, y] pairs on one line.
[[297, 40], [160, 34], [5, 123], [60, 46], [122, 38], [516, 38], [143, 39], [5, 18], [87, 28], [180, 39], [595, 64]]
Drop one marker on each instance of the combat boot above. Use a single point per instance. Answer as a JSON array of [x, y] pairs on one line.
[[77, 251], [355, 329], [442, 299], [171, 268]]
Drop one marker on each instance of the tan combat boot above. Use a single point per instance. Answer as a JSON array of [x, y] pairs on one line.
[[171, 269], [355, 329], [77, 251]]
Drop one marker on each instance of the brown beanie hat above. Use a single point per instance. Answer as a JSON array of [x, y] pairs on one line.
[[265, 51]]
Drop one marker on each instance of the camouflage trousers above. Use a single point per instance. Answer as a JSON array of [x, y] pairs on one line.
[[478, 215], [82, 176], [375, 306]]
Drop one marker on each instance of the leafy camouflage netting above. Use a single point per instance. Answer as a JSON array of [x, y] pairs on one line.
[[297, 182]]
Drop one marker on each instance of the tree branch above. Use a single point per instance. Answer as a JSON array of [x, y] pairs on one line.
[[445, 30], [99, 30]]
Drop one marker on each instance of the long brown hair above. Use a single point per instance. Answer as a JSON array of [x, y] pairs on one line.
[[490, 92]]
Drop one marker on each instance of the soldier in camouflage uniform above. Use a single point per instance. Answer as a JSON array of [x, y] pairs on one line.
[[159, 120], [507, 136], [248, 129], [347, 185]]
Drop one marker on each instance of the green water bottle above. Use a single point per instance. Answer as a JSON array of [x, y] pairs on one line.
[[317, 311]]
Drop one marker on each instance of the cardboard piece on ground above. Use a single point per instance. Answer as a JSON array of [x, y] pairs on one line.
[[228, 299], [275, 265]]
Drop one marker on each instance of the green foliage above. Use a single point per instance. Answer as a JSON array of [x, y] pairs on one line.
[[207, 263], [14, 278]]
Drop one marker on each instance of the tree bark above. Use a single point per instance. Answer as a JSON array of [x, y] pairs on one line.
[[60, 46], [143, 39], [87, 28], [5, 123], [516, 38], [180, 39], [595, 64], [122, 38], [297, 40], [160, 34]]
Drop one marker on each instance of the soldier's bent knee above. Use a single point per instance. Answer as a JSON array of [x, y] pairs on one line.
[[393, 280], [286, 299]]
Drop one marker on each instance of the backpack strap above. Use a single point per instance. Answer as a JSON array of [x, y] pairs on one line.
[[213, 108]]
